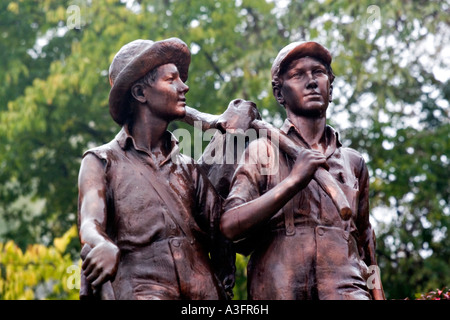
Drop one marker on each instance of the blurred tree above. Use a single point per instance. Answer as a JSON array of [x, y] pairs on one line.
[[240, 287], [391, 103], [40, 272], [29, 43]]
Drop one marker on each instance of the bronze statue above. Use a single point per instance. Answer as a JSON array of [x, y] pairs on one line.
[[303, 243], [148, 216]]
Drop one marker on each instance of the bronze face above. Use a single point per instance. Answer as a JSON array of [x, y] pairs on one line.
[[306, 88], [165, 97]]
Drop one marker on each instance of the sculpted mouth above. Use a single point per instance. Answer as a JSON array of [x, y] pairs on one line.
[[313, 95]]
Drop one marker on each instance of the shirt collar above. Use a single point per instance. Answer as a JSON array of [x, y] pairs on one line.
[[332, 135], [126, 140]]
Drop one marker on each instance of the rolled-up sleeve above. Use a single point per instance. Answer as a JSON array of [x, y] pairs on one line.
[[250, 179]]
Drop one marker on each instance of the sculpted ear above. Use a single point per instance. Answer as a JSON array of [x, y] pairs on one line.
[[278, 95], [137, 91], [330, 96]]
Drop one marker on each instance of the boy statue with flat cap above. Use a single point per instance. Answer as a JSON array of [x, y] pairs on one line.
[[301, 248], [148, 217]]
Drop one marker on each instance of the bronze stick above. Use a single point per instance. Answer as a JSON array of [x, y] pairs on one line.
[[322, 176]]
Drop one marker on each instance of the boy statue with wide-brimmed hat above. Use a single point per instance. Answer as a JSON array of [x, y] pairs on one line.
[[148, 217]]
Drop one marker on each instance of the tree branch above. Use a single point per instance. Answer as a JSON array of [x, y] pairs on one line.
[[214, 65]]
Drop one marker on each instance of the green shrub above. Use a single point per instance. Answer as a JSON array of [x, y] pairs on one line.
[[40, 272]]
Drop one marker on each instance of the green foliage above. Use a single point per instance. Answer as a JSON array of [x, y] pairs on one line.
[[240, 287], [40, 272], [390, 102]]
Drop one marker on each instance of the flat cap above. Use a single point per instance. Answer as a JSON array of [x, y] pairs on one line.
[[296, 50]]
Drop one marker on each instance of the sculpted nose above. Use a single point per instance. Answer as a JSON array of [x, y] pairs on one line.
[[183, 87], [312, 83]]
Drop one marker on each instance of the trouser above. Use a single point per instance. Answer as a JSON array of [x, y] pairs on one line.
[[315, 263], [170, 269]]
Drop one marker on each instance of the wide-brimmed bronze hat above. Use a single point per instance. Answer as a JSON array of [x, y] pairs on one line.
[[297, 50], [134, 60]]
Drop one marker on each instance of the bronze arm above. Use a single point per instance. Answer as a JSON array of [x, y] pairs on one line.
[[322, 176]]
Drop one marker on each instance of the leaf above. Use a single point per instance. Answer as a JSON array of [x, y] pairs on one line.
[[62, 242]]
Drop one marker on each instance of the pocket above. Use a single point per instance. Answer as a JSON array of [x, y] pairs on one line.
[[332, 247], [195, 277]]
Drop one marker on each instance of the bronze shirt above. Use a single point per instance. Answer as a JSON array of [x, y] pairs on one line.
[[159, 261]]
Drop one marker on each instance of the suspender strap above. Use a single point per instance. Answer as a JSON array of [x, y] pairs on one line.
[[167, 197], [288, 209]]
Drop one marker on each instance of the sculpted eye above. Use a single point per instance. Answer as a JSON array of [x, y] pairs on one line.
[[297, 75], [319, 71]]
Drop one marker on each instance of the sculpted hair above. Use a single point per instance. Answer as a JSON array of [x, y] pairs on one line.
[[147, 80]]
